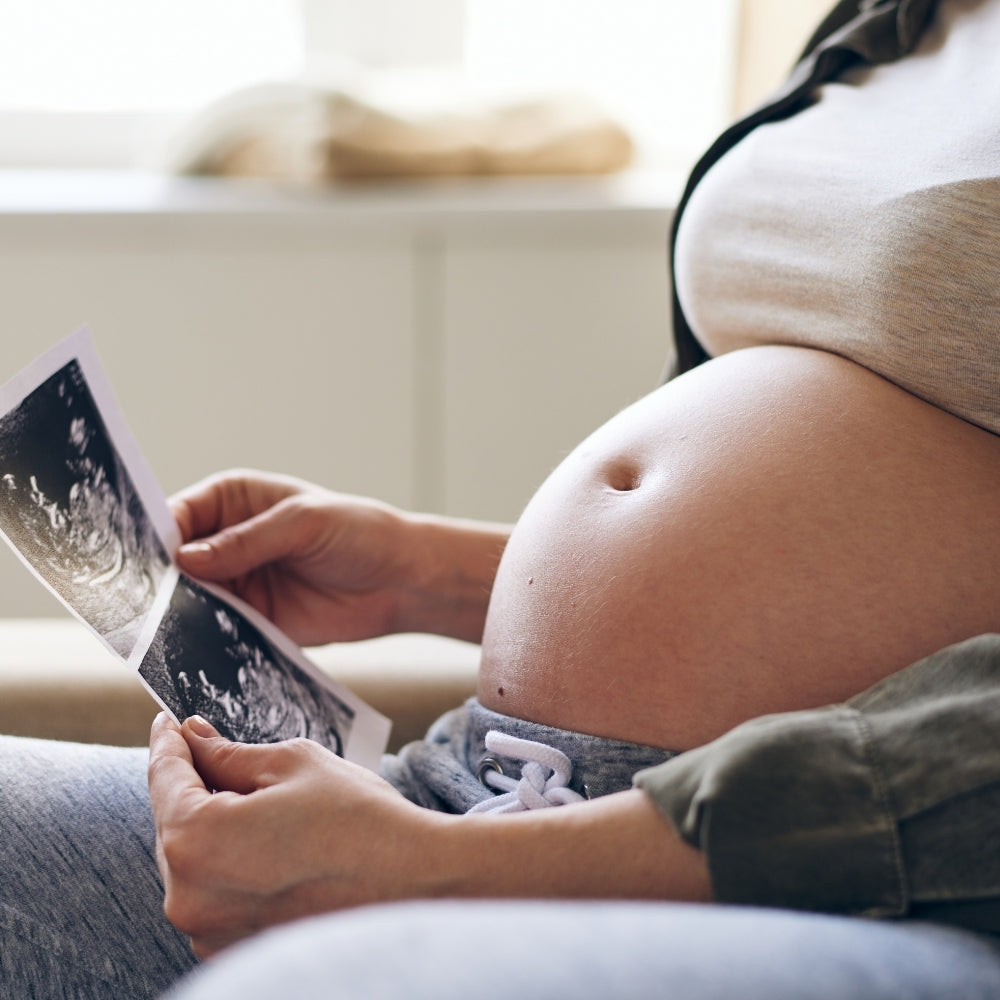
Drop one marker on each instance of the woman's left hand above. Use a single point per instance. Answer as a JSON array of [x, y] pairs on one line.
[[249, 836]]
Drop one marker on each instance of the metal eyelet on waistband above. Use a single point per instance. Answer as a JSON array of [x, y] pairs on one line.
[[488, 763]]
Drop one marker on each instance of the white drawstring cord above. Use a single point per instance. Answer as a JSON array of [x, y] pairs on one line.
[[534, 790]]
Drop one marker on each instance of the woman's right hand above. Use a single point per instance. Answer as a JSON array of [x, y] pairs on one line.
[[251, 836], [328, 567]]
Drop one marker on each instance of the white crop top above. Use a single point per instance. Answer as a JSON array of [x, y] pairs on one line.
[[868, 224]]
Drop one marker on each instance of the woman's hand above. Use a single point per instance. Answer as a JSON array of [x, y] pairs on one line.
[[329, 567], [249, 836], [290, 830]]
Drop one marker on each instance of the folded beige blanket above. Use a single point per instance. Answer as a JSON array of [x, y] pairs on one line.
[[302, 133]]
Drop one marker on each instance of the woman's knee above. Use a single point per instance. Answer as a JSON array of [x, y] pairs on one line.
[[595, 950], [80, 880]]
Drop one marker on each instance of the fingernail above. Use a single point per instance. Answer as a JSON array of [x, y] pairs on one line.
[[200, 727], [196, 549]]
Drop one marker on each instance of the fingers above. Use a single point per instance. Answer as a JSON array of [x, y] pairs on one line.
[[225, 499], [202, 898], [260, 852], [244, 768], [187, 763], [197, 509], [218, 853], [239, 550], [239, 522], [224, 765], [174, 784]]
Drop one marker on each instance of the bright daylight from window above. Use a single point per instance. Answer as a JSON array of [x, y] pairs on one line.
[[81, 65], [149, 55]]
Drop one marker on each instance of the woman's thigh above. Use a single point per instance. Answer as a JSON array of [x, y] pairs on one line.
[[541, 950], [81, 911]]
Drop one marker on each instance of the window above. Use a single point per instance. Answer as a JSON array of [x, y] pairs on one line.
[[140, 55], [90, 83], [665, 68]]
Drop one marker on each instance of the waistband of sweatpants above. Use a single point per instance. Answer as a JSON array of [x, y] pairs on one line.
[[443, 770]]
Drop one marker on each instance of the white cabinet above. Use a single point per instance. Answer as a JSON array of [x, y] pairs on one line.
[[224, 351]]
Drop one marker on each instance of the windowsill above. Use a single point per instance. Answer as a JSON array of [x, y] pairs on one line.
[[123, 194]]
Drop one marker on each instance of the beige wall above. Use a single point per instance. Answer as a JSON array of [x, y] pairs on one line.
[[772, 33]]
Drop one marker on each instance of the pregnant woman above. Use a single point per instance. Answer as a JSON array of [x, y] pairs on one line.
[[718, 647]]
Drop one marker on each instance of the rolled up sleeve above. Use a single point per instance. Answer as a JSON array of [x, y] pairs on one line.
[[887, 805]]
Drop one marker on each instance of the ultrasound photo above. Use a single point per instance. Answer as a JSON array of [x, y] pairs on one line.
[[82, 507], [207, 659], [68, 504]]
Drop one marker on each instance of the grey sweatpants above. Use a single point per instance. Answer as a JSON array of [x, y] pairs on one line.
[[81, 904], [443, 770]]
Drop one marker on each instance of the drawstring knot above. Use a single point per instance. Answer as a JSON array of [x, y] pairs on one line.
[[544, 777]]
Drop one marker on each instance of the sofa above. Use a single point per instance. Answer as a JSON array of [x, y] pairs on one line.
[[57, 681]]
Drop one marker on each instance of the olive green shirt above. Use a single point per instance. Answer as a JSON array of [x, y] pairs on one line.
[[885, 806]]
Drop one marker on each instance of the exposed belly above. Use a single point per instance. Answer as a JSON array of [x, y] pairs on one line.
[[777, 529]]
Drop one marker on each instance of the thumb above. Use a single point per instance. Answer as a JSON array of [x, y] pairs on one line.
[[224, 765]]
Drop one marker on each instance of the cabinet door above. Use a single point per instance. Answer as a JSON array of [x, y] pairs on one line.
[[260, 347]]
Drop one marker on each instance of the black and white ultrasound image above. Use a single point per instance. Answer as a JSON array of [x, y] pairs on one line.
[[69, 505], [207, 659]]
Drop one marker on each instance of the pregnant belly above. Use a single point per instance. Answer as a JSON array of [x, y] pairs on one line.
[[777, 529]]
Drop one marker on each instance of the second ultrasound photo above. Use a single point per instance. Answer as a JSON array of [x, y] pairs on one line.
[[208, 659]]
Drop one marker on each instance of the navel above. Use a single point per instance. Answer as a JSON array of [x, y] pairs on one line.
[[623, 476]]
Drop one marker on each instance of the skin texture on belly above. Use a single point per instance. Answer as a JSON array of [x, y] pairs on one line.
[[777, 529]]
